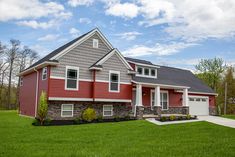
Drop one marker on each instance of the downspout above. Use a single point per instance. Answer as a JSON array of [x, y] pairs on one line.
[[94, 82], [36, 97]]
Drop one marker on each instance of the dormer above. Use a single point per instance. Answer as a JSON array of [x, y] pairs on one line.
[[143, 68]]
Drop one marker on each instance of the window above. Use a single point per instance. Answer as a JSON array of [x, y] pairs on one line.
[[95, 43], [21, 81], [203, 100], [71, 82], [146, 71], [140, 70], [164, 100], [197, 99], [67, 110], [114, 79], [153, 72], [191, 99], [152, 98], [107, 110], [44, 73]]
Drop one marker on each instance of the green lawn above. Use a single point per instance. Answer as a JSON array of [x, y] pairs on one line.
[[124, 139], [229, 116]]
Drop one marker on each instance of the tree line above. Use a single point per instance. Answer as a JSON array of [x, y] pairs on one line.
[[216, 74], [14, 58]]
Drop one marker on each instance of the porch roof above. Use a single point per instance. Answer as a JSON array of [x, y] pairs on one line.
[[176, 77]]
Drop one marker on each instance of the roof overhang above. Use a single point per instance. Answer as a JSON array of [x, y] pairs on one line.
[[203, 93], [39, 66], [161, 85], [146, 65]]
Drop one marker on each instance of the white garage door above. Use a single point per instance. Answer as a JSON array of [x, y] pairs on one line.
[[198, 105]]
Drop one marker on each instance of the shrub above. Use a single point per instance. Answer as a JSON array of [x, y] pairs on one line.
[[188, 116], [100, 118], [163, 119], [36, 122], [117, 118], [172, 117], [89, 115], [43, 107], [47, 122], [180, 118], [77, 120]]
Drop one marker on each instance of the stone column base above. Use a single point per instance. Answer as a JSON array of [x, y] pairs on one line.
[[139, 112], [157, 110]]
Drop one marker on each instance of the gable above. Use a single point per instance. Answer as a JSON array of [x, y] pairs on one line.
[[114, 63], [82, 56]]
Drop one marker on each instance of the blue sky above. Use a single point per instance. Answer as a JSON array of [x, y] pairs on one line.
[[170, 32]]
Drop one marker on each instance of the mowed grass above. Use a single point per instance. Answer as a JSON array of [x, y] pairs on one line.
[[123, 139], [229, 116]]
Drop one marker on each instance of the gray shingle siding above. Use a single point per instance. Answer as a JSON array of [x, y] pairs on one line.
[[114, 63], [83, 56]]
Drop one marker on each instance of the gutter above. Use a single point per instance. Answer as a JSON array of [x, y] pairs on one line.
[[36, 97]]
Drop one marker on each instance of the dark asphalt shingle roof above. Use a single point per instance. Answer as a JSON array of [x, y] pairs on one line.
[[57, 51], [178, 77], [138, 61]]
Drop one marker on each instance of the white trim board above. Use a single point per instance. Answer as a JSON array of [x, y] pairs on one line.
[[215, 94], [87, 99], [161, 85]]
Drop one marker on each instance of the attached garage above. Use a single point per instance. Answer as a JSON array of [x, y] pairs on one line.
[[198, 105]]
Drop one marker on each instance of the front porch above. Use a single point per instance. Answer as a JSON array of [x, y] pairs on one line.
[[150, 100]]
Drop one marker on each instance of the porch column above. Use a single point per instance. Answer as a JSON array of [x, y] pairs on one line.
[[139, 95], [157, 96], [185, 97]]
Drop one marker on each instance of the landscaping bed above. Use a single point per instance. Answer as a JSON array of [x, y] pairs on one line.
[[79, 121], [167, 118]]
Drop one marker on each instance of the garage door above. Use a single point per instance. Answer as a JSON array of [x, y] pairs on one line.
[[198, 106]]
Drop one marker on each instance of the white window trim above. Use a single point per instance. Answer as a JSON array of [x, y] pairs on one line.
[[93, 43], [114, 72], [66, 110], [108, 110], [162, 91], [143, 75], [21, 81], [74, 68], [43, 73]]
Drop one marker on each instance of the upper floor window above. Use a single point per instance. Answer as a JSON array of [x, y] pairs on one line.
[[21, 81], [114, 81], [95, 43], [44, 73], [146, 72], [71, 82]]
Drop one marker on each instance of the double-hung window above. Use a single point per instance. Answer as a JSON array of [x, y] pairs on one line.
[[107, 110], [44, 73], [114, 81], [71, 82], [67, 110]]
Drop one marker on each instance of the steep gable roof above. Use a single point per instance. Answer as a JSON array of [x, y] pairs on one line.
[[108, 55], [54, 55]]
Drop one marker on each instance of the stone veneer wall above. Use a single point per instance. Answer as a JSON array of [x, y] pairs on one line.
[[176, 110], [119, 109]]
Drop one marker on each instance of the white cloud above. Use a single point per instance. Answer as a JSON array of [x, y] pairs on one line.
[[49, 37], [75, 3], [74, 32], [85, 20], [125, 10], [27, 12], [128, 35], [158, 49], [34, 24]]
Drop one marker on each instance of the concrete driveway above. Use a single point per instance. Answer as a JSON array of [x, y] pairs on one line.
[[218, 120]]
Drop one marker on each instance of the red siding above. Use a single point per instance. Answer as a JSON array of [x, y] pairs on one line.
[[57, 89], [102, 91], [146, 96], [27, 95]]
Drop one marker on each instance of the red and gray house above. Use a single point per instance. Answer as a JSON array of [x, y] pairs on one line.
[[89, 72]]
